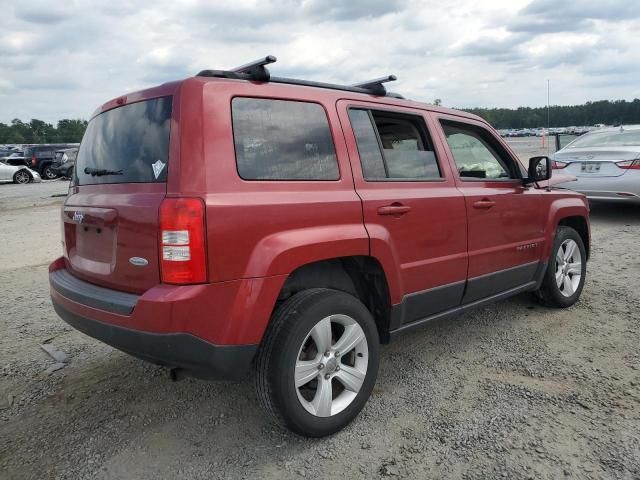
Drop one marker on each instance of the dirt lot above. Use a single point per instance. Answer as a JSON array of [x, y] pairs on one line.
[[512, 390]]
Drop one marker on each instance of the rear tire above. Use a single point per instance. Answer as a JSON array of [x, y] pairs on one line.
[[311, 391], [48, 173], [566, 272]]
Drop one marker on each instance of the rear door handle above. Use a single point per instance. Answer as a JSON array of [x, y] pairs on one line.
[[394, 209], [485, 203]]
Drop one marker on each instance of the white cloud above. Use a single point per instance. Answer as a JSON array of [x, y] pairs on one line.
[[63, 59]]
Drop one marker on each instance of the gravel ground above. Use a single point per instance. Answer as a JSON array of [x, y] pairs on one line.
[[512, 390]]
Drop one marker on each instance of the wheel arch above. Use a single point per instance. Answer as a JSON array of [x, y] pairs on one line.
[[580, 225], [360, 275], [572, 212]]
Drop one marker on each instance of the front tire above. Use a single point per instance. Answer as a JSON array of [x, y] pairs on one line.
[[318, 362], [566, 271], [21, 176]]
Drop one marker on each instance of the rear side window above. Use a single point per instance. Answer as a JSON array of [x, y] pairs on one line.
[[129, 144], [393, 146], [282, 140]]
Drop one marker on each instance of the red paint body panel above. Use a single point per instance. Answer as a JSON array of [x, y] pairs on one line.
[[511, 231], [426, 247], [258, 232], [259, 228], [123, 224], [224, 313]]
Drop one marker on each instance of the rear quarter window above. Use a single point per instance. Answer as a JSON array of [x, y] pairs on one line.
[[282, 140]]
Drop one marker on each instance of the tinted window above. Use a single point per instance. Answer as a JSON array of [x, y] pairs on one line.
[[473, 155], [373, 164], [129, 144], [393, 146], [282, 140]]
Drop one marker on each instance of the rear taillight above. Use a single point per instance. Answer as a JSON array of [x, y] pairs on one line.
[[629, 164], [183, 246], [556, 165], [34, 161]]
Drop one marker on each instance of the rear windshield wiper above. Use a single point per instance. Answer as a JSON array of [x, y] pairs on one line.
[[101, 171]]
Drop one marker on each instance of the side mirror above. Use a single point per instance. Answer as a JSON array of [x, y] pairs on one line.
[[539, 169]]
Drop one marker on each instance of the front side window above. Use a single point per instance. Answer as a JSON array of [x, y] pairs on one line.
[[473, 155], [393, 146], [282, 140]]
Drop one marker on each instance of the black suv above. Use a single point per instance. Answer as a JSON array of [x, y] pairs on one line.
[[41, 158]]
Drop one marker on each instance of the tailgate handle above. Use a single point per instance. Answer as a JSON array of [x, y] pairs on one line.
[[394, 209], [485, 203]]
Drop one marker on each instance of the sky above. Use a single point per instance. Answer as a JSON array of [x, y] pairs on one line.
[[64, 58]]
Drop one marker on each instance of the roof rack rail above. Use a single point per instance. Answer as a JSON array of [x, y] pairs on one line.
[[376, 85], [257, 72], [256, 69]]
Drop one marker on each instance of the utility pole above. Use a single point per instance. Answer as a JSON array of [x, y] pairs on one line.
[[548, 119]]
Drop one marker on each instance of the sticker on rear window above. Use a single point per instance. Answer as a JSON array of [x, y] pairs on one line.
[[157, 168]]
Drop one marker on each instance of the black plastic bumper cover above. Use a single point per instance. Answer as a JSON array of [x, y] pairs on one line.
[[92, 295], [179, 350]]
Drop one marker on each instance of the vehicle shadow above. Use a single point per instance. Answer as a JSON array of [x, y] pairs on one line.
[[611, 212]]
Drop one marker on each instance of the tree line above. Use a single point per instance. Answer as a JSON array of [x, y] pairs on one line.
[[37, 131], [615, 112], [604, 111]]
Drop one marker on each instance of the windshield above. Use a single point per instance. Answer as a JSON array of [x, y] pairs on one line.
[[628, 138], [128, 144]]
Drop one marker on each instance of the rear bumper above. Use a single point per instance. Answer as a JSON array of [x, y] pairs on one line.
[[623, 188], [177, 350], [210, 330]]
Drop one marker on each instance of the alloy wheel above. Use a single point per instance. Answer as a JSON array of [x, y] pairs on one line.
[[22, 177], [568, 267], [331, 365], [49, 173]]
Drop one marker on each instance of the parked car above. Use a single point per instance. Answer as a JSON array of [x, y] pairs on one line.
[[42, 158], [64, 162], [234, 219], [606, 163], [14, 158], [17, 174]]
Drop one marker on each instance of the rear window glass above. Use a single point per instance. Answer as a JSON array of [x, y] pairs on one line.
[[621, 138], [282, 140], [129, 144]]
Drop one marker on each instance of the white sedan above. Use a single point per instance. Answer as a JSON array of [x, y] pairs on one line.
[[18, 174]]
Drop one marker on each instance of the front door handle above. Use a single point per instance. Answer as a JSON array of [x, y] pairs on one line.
[[485, 203], [394, 209]]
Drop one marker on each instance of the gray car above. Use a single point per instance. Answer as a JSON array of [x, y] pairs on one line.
[[606, 163]]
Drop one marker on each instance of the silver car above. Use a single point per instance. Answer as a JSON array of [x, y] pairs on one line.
[[606, 163], [17, 174]]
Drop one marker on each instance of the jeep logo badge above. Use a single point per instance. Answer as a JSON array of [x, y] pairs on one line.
[[77, 217], [139, 261]]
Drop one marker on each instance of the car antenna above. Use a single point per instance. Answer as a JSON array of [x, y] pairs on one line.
[[376, 86]]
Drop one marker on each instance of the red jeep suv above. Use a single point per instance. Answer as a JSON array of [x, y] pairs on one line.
[[235, 221]]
